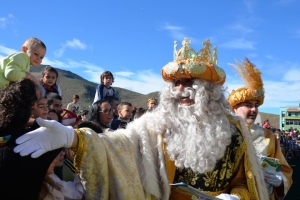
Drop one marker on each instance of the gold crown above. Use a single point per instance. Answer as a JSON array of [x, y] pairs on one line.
[[254, 85], [191, 64]]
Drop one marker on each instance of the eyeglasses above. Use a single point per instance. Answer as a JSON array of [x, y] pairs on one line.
[[107, 111]]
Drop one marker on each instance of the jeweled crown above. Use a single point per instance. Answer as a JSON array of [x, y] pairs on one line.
[[187, 54], [191, 64]]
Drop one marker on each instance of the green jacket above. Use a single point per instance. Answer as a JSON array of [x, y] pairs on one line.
[[13, 68]]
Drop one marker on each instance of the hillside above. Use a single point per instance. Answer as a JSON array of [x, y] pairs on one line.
[[71, 84], [273, 119]]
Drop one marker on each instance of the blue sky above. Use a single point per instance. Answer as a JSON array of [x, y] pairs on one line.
[[134, 39]]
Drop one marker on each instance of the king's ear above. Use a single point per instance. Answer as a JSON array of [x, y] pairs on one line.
[[24, 49]]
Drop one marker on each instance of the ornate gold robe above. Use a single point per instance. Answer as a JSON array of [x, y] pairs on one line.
[[132, 164], [266, 143]]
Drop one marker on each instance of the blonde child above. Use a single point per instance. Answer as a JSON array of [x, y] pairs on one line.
[[48, 80], [17, 65], [125, 110], [152, 103], [104, 88]]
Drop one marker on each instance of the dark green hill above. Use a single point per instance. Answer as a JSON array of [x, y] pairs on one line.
[[71, 84]]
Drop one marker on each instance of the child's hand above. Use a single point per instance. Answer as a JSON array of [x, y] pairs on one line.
[[69, 154], [31, 77]]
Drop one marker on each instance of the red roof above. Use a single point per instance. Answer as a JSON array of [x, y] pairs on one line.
[[293, 109]]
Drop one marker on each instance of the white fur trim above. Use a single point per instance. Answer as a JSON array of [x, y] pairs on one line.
[[259, 140], [149, 157]]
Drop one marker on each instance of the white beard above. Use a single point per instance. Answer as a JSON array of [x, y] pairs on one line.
[[197, 135]]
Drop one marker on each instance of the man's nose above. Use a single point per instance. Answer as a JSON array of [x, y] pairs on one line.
[[254, 109], [181, 86]]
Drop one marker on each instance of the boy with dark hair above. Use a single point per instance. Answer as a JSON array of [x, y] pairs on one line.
[[104, 88], [54, 101], [125, 114], [74, 105]]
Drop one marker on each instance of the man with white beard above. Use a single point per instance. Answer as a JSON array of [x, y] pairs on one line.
[[190, 137], [245, 102]]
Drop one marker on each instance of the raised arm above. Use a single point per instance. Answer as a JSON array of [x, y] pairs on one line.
[[51, 135]]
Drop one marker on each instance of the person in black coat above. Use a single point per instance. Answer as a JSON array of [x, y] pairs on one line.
[[21, 177]]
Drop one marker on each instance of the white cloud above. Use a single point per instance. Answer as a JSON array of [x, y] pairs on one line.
[[281, 94], [59, 52], [172, 28], [249, 5], [143, 82], [292, 75], [6, 51], [125, 74], [269, 56], [176, 32], [72, 44], [75, 44], [5, 21], [239, 43], [240, 28]]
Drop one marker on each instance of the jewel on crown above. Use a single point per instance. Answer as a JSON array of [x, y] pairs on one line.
[[186, 54]]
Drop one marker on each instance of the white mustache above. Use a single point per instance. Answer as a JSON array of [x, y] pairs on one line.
[[187, 92]]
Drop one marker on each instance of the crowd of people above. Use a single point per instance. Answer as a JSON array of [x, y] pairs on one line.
[[289, 141], [117, 151]]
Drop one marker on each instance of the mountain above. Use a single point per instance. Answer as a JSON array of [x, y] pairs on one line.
[[71, 84]]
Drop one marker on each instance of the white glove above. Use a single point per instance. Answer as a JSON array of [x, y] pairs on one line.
[[273, 178], [51, 135], [227, 197]]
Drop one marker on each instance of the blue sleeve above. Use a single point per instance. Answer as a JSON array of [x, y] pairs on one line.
[[113, 92], [100, 92]]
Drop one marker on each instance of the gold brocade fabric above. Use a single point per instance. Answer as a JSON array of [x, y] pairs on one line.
[[270, 147], [219, 179], [105, 164]]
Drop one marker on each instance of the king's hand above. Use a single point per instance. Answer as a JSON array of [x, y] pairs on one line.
[[51, 135]]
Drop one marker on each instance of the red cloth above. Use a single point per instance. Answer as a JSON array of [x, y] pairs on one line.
[[68, 117], [266, 125]]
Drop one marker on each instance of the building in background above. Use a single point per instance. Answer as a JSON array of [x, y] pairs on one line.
[[289, 118]]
